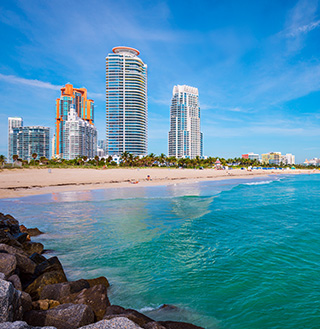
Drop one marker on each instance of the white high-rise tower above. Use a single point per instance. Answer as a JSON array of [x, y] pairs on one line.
[[126, 102], [185, 138]]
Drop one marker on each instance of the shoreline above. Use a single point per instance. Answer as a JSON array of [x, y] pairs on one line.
[[16, 183]]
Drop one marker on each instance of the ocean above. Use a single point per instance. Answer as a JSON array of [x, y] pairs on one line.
[[228, 254]]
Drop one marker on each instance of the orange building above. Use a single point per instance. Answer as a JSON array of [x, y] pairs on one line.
[[84, 107]]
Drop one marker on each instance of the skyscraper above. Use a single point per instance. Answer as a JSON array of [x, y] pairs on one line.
[[126, 102], [13, 122], [70, 98], [24, 141], [80, 137], [185, 138]]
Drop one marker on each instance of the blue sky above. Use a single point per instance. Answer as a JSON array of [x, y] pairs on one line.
[[256, 65]]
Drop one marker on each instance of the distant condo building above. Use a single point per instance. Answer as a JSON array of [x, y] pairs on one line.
[[75, 99], [185, 137], [251, 156], [277, 159], [80, 137], [13, 122], [25, 141], [126, 102]]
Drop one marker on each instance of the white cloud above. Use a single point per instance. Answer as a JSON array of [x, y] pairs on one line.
[[29, 82], [303, 29]]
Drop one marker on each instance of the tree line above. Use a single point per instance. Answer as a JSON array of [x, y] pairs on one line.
[[151, 160]]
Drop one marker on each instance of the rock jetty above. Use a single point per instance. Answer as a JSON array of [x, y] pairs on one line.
[[35, 292]]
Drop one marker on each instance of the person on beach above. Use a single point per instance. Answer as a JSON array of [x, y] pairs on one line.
[[148, 178]]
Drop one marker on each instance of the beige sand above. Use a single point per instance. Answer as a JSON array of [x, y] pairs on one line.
[[23, 182]]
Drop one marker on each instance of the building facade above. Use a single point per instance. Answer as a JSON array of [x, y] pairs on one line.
[[13, 122], [288, 159], [126, 102], [29, 140], [77, 99], [271, 158], [80, 137], [251, 156], [185, 137]]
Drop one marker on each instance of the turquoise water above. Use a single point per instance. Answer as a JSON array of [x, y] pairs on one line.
[[230, 254]]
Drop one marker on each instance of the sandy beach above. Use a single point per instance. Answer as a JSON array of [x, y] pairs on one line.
[[24, 182]]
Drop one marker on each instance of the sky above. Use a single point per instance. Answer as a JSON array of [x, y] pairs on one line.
[[256, 65]]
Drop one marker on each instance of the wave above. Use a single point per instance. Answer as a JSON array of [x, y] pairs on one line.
[[260, 183]]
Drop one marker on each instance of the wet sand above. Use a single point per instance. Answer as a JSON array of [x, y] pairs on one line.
[[24, 182]]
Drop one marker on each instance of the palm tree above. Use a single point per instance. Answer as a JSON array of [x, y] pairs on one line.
[[34, 156], [2, 159], [15, 157], [124, 157]]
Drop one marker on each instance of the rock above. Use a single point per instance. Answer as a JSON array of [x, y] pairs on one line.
[[115, 311], [26, 301], [178, 325], [49, 265], [10, 223], [167, 307], [2, 276], [7, 238], [24, 264], [15, 280], [101, 280], [34, 231], [8, 264], [153, 325], [21, 237], [44, 304], [35, 288], [37, 258], [32, 247], [96, 297], [60, 290], [10, 302], [66, 316], [20, 325], [12, 250], [116, 323]]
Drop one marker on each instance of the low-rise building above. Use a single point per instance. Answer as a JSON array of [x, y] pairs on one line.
[[26, 141], [271, 158], [251, 156]]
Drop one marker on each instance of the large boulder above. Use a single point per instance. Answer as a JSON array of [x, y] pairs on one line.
[[32, 247], [49, 265], [100, 280], [178, 325], [7, 238], [10, 223], [96, 297], [8, 263], [153, 325], [20, 325], [115, 311], [116, 323], [15, 280], [37, 258], [24, 263], [26, 301], [60, 290], [35, 288], [10, 302], [30, 231], [66, 316]]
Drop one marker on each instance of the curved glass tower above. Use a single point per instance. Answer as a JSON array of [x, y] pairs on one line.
[[126, 102]]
